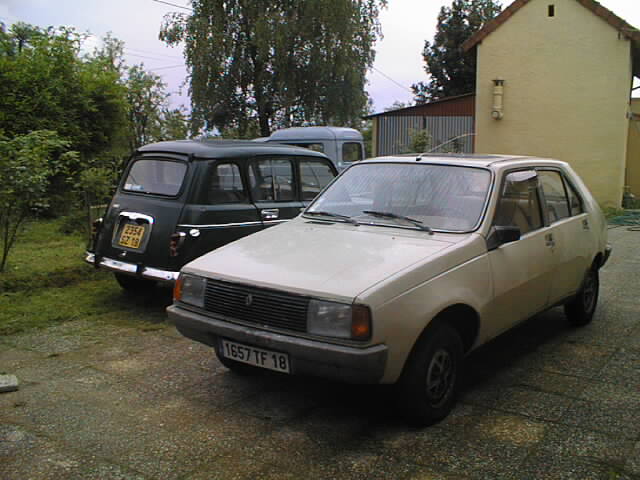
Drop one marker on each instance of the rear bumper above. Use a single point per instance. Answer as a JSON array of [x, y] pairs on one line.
[[307, 357], [131, 268]]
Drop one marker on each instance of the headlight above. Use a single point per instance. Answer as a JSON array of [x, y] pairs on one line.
[[190, 289], [339, 320]]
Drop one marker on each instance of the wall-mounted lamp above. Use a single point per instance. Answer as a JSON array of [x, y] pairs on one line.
[[498, 93]]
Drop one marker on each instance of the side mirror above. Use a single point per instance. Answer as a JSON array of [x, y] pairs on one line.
[[501, 235]]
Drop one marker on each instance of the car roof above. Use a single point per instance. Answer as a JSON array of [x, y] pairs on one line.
[[206, 149], [469, 160]]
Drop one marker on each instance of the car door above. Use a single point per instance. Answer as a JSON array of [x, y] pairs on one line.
[[273, 189], [219, 212], [569, 225], [520, 270]]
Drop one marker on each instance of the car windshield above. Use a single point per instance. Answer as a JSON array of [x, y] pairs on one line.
[[155, 176], [426, 196]]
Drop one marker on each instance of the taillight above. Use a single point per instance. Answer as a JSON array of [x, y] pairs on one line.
[[175, 242], [96, 226]]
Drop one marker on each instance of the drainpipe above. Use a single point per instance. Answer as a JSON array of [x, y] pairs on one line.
[[498, 93]]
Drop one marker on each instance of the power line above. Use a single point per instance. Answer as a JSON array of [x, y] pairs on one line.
[[150, 58], [392, 80], [173, 5], [164, 68], [152, 53]]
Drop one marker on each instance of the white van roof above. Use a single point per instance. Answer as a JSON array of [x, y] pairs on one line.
[[315, 133]]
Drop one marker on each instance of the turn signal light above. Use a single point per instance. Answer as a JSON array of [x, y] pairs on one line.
[[360, 322], [177, 289]]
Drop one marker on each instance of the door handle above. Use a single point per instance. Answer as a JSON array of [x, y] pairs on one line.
[[585, 224], [270, 214], [548, 239]]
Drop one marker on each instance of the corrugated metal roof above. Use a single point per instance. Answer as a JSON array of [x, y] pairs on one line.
[[461, 105]]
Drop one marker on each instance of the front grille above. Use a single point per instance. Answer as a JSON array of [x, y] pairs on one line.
[[266, 307]]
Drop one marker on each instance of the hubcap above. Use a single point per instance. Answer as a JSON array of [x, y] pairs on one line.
[[440, 377], [589, 293]]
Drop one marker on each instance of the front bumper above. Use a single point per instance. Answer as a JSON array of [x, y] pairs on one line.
[[307, 357], [131, 268], [607, 254]]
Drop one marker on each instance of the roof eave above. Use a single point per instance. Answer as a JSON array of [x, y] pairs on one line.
[[607, 15]]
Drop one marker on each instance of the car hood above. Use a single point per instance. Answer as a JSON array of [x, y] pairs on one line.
[[332, 261]]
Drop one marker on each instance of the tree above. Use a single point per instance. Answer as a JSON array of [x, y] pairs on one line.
[[278, 63], [149, 116], [174, 124], [397, 105], [451, 70], [27, 164], [145, 97], [46, 85]]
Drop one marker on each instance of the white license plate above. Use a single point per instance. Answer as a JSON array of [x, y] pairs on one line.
[[257, 357]]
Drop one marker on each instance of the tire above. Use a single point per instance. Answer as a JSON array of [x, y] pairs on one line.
[[238, 368], [429, 382], [580, 309], [135, 285]]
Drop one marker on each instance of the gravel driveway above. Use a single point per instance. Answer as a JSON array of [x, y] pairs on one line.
[[545, 401]]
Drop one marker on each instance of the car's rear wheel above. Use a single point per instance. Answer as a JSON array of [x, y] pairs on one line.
[[134, 284], [580, 309], [429, 383]]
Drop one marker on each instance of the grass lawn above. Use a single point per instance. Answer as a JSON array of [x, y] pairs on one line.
[[47, 282]]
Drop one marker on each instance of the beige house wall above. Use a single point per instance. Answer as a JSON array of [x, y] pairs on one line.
[[633, 150], [567, 83]]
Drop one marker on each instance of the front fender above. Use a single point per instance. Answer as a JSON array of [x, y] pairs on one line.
[[400, 322]]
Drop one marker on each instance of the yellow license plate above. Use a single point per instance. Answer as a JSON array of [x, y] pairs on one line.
[[131, 236]]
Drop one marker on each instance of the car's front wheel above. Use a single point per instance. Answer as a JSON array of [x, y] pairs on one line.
[[429, 383], [580, 309]]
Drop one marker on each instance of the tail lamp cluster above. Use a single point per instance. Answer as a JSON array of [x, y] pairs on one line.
[[176, 240]]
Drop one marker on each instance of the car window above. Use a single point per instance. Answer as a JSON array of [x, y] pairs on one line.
[[351, 152], [575, 201], [314, 176], [155, 176], [556, 203], [225, 185], [518, 205], [272, 180], [442, 197]]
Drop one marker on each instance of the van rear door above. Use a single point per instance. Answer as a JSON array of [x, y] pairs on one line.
[[145, 210]]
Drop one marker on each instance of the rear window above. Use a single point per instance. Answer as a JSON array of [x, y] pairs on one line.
[[351, 152], [155, 176]]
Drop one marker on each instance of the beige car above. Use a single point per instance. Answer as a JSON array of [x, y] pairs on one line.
[[397, 270]]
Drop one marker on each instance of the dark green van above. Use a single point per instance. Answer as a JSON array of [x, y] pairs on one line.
[[179, 200]]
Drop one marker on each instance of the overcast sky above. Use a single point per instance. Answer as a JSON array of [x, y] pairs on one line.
[[406, 24]]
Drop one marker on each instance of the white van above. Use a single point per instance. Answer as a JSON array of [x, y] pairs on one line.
[[342, 145]]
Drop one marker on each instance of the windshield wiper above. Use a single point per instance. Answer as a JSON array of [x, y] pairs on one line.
[[415, 222], [344, 218]]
